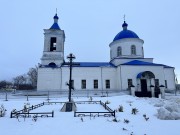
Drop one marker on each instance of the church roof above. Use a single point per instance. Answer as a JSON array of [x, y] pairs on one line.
[[125, 33], [142, 63], [55, 26]]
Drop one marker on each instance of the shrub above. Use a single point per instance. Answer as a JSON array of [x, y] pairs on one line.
[[2, 111], [34, 118], [107, 102], [126, 121], [145, 117], [115, 120], [120, 109], [134, 111]]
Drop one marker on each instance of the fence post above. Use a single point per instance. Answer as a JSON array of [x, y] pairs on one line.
[[105, 106], [48, 96], [11, 115], [52, 113], [114, 113], [27, 97], [6, 97]]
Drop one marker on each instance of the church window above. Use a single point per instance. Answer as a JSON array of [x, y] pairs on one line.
[[165, 83], [95, 84], [119, 51], [107, 84], [133, 50], [83, 84], [130, 83], [53, 44]]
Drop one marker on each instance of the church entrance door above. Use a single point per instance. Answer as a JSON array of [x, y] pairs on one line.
[[143, 85]]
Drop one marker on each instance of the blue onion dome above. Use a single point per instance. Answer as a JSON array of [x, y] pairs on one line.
[[125, 33], [55, 25], [56, 17]]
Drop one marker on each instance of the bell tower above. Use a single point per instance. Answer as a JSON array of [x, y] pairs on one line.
[[54, 38]]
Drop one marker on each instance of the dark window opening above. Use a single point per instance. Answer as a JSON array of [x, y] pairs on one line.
[[95, 84], [52, 64], [133, 50], [107, 84], [53, 44], [83, 84], [165, 83], [130, 83]]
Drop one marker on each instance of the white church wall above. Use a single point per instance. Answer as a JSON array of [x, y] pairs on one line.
[[170, 77], [131, 72], [119, 78], [90, 74], [49, 79]]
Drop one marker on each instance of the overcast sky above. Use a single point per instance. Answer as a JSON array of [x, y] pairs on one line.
[[90, 26]]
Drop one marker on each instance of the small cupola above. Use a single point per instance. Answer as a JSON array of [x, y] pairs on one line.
[[124, 25], [55, 25]]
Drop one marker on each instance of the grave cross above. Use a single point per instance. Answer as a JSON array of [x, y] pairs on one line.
[[71, 57]]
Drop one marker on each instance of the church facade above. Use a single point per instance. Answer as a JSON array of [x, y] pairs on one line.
[[126, 70]]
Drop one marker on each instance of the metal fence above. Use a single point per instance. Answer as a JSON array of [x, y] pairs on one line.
[[28, 94]]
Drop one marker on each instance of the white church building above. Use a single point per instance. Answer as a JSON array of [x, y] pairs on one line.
[[126, 70]]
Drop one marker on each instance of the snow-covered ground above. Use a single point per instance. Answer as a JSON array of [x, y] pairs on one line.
[[64, 123]]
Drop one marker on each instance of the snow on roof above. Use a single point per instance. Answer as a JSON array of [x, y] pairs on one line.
[[142, 63]]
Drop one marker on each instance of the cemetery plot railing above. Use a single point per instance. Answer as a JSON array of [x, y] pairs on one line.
[[26, 112], [50, 103], [87, 102], [94, 114], [35, 106], [30, 115], [106, 107]]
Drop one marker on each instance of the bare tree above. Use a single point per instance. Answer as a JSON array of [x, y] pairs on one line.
[[4, 84], [21, 79], [32, 75]]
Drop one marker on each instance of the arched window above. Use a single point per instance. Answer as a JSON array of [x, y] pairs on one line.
[[133, 50], [119, 51]]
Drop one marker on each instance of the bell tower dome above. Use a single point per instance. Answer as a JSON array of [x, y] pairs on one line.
[[54, 38]]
